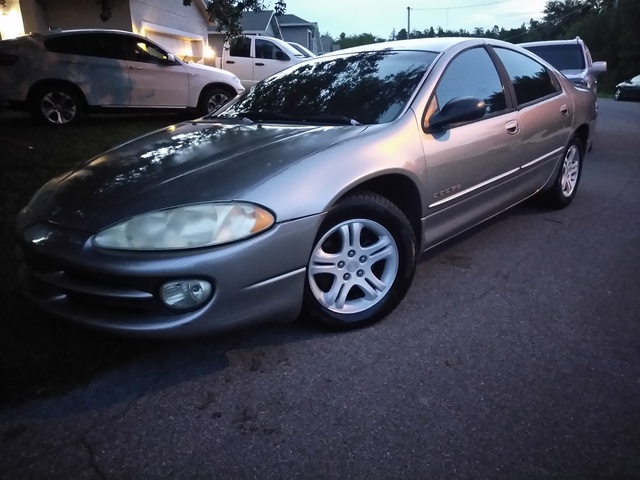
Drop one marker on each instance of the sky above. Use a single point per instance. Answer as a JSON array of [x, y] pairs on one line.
[[380, 17]]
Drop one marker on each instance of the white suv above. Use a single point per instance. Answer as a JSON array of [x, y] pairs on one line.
[[60, 75], [572, 58]]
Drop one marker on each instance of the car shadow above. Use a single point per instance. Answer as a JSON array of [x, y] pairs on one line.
[[72, 369], [534, 206]]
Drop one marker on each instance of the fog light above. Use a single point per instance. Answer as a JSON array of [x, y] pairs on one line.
[[185, 294]]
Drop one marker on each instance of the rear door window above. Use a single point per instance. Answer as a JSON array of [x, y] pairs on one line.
[[531, 80]]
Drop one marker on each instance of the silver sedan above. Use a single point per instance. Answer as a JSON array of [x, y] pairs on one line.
[[314, 192]]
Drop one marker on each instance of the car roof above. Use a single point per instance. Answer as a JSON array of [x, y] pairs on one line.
[[543, 43], [58, 32], [437, 44]]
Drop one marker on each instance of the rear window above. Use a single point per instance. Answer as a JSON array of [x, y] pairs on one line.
[[563, 57], [7, 59], [87, 44]]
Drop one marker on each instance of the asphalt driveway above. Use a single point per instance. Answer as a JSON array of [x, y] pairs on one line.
[[516, 354]]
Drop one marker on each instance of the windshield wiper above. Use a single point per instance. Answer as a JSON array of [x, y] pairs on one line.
[[326, 119], [266, 116], [339, 119]]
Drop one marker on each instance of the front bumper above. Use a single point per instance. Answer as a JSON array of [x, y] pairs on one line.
[[256, 280]]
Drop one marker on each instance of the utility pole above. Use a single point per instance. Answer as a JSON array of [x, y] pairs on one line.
[[408, 21]]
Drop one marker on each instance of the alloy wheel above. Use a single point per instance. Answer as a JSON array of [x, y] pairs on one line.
[[58, 107], [570, 171], [216, 101], [353, 266]]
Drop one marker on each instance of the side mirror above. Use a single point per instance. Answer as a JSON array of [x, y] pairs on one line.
[[282, 56], [171, 58], [456, 110], [599, 67]]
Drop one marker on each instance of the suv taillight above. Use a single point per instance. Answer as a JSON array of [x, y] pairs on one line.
[[8, 59]]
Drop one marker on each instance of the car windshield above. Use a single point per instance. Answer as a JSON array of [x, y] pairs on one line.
[[305, 52], [358, 88], [563, 57]]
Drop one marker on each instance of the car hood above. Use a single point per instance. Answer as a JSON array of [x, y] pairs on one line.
[[206, 69], [188, 163]]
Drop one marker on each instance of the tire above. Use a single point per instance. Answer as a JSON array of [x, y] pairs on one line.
[[566, 183], [362, 263], [57, 105], [212, 99], [618, 94]]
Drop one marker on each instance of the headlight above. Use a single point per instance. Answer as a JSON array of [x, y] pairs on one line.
[[191, 226]]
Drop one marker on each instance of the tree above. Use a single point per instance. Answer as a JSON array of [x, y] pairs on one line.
[[346, 41], [226, 14]]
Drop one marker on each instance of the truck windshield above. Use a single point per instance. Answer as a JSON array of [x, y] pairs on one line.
[[367, 87], [563, 57]]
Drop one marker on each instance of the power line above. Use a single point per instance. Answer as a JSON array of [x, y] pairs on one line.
[[465, 6]]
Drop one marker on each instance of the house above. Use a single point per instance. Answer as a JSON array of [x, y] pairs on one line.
[[296, 29], [253, 23], [327, 44], [289, 28], [181, 30]]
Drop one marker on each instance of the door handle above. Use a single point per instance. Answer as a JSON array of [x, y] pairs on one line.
[[512, 127], [135, 68], [229, 61], [564, 110], [259, 64]]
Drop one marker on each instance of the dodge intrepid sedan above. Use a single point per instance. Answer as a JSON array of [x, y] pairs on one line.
[[311, 194]]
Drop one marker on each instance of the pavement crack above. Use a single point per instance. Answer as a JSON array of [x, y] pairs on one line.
[[92, 458]]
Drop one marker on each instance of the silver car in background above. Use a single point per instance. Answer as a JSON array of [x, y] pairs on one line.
[[313, 193], [572, 58]]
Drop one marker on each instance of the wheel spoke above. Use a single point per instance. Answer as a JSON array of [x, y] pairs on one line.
[[336, 297], [352, 234], [323, 262], [382, 249], [375, 283]]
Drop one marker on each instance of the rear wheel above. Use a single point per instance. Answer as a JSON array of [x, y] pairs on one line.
[[362, 262], [213, 99], [566, 184], [57, 104]]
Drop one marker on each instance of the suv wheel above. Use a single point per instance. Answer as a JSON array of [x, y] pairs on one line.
[[211, 99], [57, 104]]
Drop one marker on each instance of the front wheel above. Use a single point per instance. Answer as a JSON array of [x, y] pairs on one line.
[[566, 183], [213, 99], [362, 262]]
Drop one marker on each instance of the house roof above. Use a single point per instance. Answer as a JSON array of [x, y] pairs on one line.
[[290, 20], [256, 20]]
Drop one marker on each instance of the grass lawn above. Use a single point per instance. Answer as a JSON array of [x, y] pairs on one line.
[[40, 355]]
